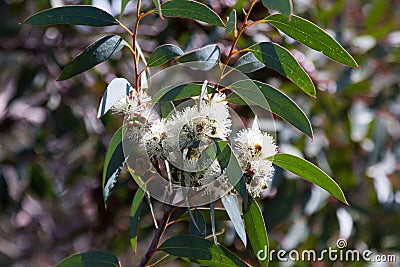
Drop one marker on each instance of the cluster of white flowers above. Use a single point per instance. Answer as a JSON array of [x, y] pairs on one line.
[[182, 137], [253, 147]]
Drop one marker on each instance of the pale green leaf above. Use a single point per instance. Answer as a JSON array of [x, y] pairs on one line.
[[309, 172], [134, 217], [231, 205]]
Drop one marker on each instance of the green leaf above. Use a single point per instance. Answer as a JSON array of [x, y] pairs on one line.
[[309, 172], [202, 251], [313, 36], [123, 5], [231, 205], [278, 58], [113, 164], [249, 92], [230, 164], [116, 90], [204, 58], [166, 109], [90, 259], [219, 215], [94, 54], [74, 15], [163, 54], [198, 227], [283, 6], [248, 63], [376, 13], [191, 10], [231, 24], [134, 217], [157, 4], [256, 231], [180, 92]]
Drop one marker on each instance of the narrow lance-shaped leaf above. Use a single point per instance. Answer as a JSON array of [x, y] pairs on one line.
[[313, 36], [90, 259], [123, 5], [163, 54], [309, 172], [251, 92], [74, 15], [191, 10], [134, 217], [284, 6], [248, 63], [157, 4], [197, 225], [166, 109], [278, 58], [113, 164], [202, 251], [116, 90], [231, 24], [204, 58], [180, 92], [257, 233], [231, 205], [96, 53]]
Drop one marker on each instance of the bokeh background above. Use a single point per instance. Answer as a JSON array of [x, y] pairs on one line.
[[52, 147]]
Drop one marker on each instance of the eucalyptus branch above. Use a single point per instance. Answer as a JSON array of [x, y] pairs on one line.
[[232, 50], [157, 235]]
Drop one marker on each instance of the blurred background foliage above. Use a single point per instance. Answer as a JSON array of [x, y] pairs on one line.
[[52, 147]]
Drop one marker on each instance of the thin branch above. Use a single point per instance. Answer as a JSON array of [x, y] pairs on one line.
[[157, 236]]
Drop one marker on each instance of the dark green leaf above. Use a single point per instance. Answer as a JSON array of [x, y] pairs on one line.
[[248, 63], [257, 232], [202, 251], [376, 13], [157, 4], [313, 36], [90, 259], [191, 10], [94, 54], [231, 24], [179, 92], [249, 92], [134, 217], [278, 58], [219, 215], [166, 108], [198, 227], [116, 90], [204, 58], [163, 54], [74, 15], [123, 5], [113, 164], [230, 164], [231, 205], [283, 6], [309, 172]]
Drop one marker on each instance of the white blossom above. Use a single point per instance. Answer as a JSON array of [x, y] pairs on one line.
[[253, 146]]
